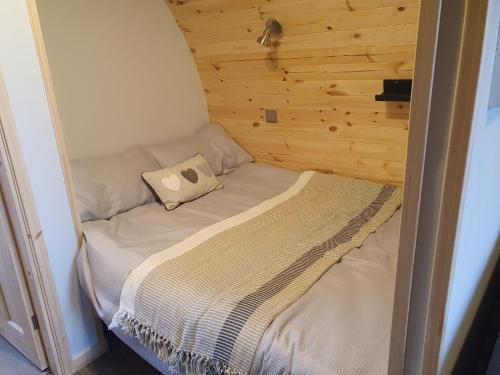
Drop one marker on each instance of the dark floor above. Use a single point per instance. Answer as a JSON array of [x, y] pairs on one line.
[[119, 360]]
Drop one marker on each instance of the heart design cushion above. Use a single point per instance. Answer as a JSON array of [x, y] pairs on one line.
[[182, 182]]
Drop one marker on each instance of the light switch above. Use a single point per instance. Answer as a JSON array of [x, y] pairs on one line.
[[271, 116]]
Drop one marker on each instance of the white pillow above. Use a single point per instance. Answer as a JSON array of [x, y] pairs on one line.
[[178, 150], [108, 185], [229, 154], [222, 153]]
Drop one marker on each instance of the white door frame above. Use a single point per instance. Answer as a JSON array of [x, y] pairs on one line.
[[449, 52], [31, 243], [423, 79]]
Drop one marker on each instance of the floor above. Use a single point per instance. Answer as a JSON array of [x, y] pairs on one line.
[[13, 363], [119, 360]]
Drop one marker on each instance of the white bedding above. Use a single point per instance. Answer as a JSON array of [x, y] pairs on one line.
[[340, 326]]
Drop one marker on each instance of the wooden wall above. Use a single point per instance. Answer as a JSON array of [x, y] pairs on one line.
[[321, 79]]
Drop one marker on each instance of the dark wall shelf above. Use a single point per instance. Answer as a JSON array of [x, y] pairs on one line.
[[392, 98], [395, 90]]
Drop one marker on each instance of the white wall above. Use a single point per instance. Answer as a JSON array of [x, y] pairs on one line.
[[19, 66], [478, 245], [123, 74], [128, 78], [478, 239]]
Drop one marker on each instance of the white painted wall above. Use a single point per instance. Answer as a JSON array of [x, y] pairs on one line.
[[19, 66], [123, 74], [478, 238], [478, 241]]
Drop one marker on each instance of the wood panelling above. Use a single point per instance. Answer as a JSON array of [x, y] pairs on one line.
[[321, 78]]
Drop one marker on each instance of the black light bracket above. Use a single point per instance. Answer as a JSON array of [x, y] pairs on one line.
[[395, 90]]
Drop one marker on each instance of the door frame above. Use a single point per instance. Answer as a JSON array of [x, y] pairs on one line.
[[442, 114], [18, 325], [32, 248], [423, 79]]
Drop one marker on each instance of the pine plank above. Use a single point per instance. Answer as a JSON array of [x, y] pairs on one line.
[[321, 78]]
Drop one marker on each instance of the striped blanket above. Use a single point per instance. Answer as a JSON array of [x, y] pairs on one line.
[[203, 304]]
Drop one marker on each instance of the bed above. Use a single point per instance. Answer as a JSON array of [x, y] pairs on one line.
[[340, 325]]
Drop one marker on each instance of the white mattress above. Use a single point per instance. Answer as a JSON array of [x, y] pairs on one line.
[[340, 326]]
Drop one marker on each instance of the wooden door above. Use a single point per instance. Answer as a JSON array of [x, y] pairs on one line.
[[18, 322]]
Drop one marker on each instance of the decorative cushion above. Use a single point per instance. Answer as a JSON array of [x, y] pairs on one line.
[[182, 182], [108, 185]]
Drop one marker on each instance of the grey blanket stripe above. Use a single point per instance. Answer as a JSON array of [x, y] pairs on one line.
[[247, 306], [211, 320]]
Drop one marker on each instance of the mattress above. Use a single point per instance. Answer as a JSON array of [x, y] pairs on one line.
[[340, 326]]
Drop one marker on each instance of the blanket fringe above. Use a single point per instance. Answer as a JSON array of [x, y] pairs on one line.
[[176, 359]]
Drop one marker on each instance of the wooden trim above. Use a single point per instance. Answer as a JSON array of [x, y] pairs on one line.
[[418, 129], [64, 159], [464, 111], [31, 243], [17, 327]]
